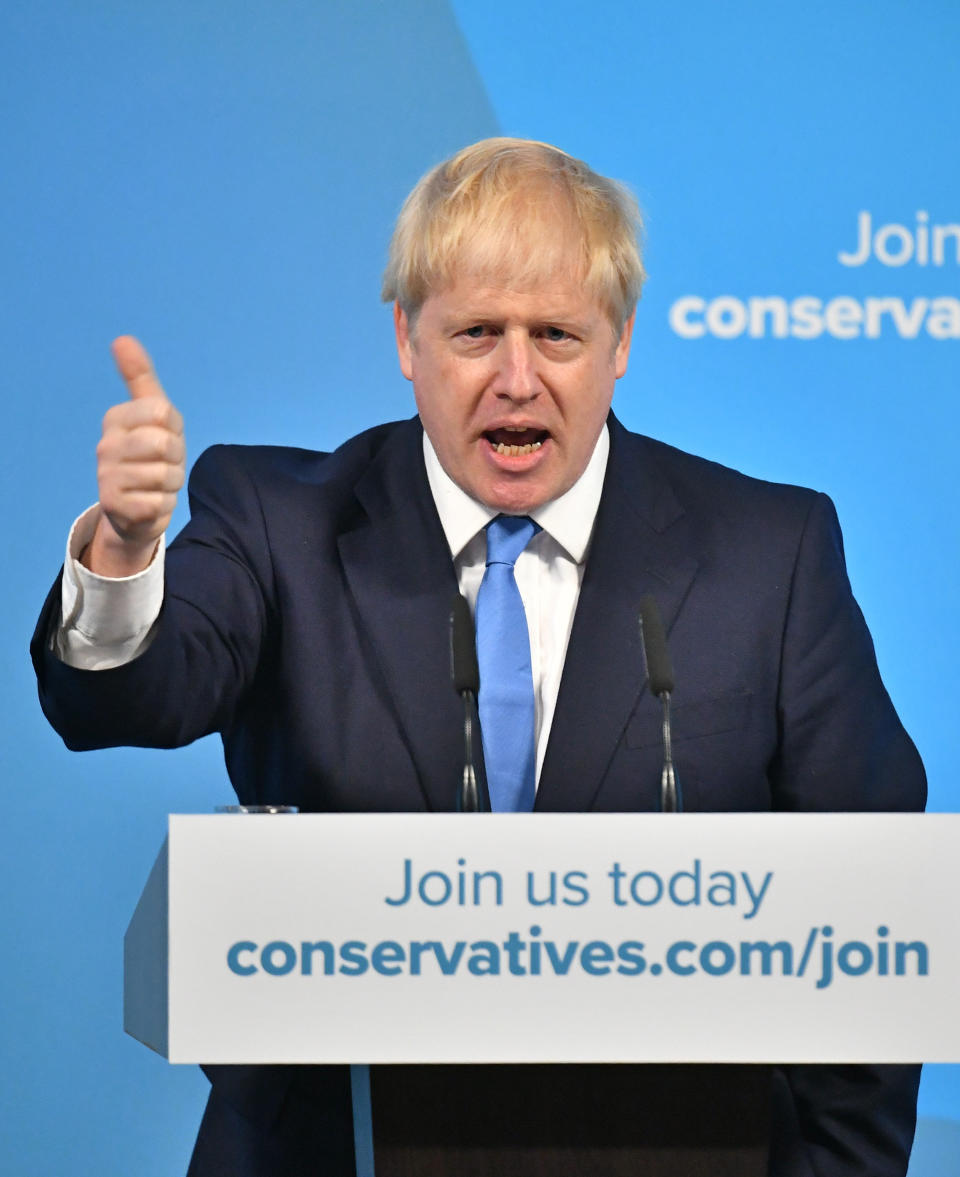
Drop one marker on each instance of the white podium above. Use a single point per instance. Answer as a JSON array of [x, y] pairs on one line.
[[541, 938], [552, 939]]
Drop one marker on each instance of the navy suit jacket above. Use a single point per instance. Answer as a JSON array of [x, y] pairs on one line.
[[305, 618]]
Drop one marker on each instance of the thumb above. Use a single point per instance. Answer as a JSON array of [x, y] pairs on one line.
[[136, 368]]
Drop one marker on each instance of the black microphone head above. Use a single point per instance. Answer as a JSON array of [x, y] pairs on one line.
[[463, 648], [654, 638]]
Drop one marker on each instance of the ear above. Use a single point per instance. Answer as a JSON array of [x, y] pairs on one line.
[[401, 326], [622, 353]]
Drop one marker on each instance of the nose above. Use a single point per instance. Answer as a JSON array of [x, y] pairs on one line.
[[516, 377]]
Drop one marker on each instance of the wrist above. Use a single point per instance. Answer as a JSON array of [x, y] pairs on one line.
[[109, 555]]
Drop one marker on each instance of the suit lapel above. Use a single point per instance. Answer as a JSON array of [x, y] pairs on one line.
[[401, 576], [638, 546]]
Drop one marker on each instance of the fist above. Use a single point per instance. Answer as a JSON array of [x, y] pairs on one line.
[[141, 460]]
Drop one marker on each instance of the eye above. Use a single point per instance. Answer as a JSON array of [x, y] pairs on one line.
[[555, 334], [475, 332]]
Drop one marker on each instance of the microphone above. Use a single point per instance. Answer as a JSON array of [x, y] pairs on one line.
[[472, 795], [660, 677]]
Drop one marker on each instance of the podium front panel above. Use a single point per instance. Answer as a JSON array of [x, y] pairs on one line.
[[442, 938]]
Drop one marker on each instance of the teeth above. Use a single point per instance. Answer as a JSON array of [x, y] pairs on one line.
[[514, 451]]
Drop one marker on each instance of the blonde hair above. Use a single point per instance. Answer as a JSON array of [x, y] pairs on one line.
[[510, 208]]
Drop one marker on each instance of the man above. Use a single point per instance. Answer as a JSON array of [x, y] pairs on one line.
[[304, 614]]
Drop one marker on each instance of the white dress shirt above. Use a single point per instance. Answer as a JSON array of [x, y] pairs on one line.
[[106, 621], [549, 571], [109, 621]]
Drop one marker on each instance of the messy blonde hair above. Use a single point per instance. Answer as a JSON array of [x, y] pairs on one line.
[[509, 208]]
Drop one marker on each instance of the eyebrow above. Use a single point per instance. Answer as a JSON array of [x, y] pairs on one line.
[[472, 315]]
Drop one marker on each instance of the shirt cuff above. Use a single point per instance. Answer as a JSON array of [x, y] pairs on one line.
[[107, 621]]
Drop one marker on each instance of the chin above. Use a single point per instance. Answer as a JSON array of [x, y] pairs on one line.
[[514, 500]]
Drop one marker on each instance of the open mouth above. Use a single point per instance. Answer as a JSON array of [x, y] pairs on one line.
[[516, 442]]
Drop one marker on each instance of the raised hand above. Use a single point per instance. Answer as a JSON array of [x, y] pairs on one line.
[[141, 460]]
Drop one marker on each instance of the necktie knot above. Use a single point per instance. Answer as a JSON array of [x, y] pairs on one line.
[[507, 536]]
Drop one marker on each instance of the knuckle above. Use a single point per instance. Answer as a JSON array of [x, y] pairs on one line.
[[106, 474], [143, 478], [118, 418], [142, 509], [150, 442], [163, 412]]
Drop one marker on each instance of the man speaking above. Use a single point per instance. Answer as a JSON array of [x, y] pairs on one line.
[[303, 611]]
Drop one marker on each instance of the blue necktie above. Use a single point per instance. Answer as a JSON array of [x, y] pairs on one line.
[[506, 682]]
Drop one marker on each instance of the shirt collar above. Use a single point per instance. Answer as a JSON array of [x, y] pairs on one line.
[[568, 519]]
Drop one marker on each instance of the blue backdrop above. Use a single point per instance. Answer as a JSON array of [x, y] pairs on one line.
[[221, 180]]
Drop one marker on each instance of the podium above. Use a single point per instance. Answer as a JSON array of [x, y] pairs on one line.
[[584, 1120], [551, 993]]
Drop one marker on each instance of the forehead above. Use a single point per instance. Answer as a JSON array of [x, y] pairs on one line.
[[533, 246], [558, 298]]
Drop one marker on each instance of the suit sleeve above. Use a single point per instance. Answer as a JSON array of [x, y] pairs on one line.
[[211, 632], [842, 748]]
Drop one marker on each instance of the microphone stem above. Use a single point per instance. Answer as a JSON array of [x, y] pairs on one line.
[[469, 797], [669, 792]]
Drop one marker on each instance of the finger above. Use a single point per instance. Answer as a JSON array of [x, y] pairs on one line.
[[145, 412], [146, 444], [140, 515], [149, 476], [119, 482], [135, 367]]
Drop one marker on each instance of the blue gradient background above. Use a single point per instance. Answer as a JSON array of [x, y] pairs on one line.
[[220, 179]]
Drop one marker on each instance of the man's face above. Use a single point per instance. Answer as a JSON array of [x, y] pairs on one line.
[[512, 386]]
